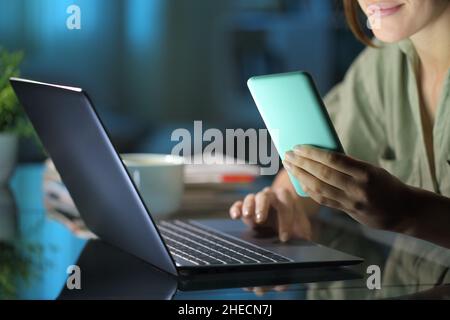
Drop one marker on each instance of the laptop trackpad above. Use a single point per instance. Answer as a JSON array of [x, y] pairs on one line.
[[298, 250]]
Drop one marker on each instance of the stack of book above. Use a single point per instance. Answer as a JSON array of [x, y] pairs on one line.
[[214, 187], [209, 188]]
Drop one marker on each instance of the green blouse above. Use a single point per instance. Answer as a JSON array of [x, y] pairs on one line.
[[376, 112]]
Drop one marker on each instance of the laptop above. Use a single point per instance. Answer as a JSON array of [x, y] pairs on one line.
[[110, 205]]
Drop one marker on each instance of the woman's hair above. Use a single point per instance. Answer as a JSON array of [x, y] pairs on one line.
[[351, 8]]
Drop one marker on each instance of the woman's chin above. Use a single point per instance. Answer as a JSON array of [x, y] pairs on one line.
[[389, 36]]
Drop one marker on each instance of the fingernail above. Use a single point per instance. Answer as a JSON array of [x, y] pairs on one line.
[[287, 165], [258, 216], [246, 213], [284, 237], [299, 148], [234, 214], [289, 155]]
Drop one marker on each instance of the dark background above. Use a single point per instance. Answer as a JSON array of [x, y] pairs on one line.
[[151, 66]]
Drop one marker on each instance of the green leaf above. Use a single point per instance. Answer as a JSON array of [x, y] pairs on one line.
[[12, 116]]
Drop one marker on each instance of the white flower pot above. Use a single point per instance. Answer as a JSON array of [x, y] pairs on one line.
[[8, 156]]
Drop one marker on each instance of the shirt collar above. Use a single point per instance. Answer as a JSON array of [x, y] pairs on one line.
[[407, 47]]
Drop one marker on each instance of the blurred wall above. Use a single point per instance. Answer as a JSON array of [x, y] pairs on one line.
[[150, 65]]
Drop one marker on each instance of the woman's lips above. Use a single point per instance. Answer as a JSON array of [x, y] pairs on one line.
[[382, 9]]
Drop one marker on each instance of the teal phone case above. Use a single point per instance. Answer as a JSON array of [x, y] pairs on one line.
[[294, 113]]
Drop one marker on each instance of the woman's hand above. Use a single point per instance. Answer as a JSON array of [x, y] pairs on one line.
[[369, 194], [275, 208]]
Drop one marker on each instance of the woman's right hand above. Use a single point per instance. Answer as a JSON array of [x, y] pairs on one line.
[[277, 208]]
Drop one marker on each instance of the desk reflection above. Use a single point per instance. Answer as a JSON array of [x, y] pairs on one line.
[[109, 273]]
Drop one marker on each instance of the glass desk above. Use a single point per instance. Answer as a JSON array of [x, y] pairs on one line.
[[35, 252]]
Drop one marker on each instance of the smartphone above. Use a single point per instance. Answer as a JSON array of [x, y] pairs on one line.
[[293, 113]]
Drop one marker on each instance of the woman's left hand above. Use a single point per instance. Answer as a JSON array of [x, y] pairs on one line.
[[369, 194]]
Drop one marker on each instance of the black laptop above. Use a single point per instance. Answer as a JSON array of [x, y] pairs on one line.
[[110, 205]]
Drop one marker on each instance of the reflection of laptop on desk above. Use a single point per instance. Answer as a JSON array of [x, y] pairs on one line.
[[102, 265], [112, 208]]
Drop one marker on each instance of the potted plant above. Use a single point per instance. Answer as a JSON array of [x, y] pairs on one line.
[[13, 122]]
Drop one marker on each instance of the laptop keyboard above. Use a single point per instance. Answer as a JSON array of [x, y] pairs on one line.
[[202, 246]]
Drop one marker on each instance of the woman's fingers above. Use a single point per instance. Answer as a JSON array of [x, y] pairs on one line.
[[320, 191], [324, 173], [268, 208], [248, 207], [314, 184], [236, 210], [323, 200], [254, 209], [338, 161], [263, 201], [236, 213]]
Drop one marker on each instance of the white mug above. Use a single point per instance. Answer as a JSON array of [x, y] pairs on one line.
[[159, 179]]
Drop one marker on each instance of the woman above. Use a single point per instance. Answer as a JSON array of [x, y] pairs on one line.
[[392, 115]]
